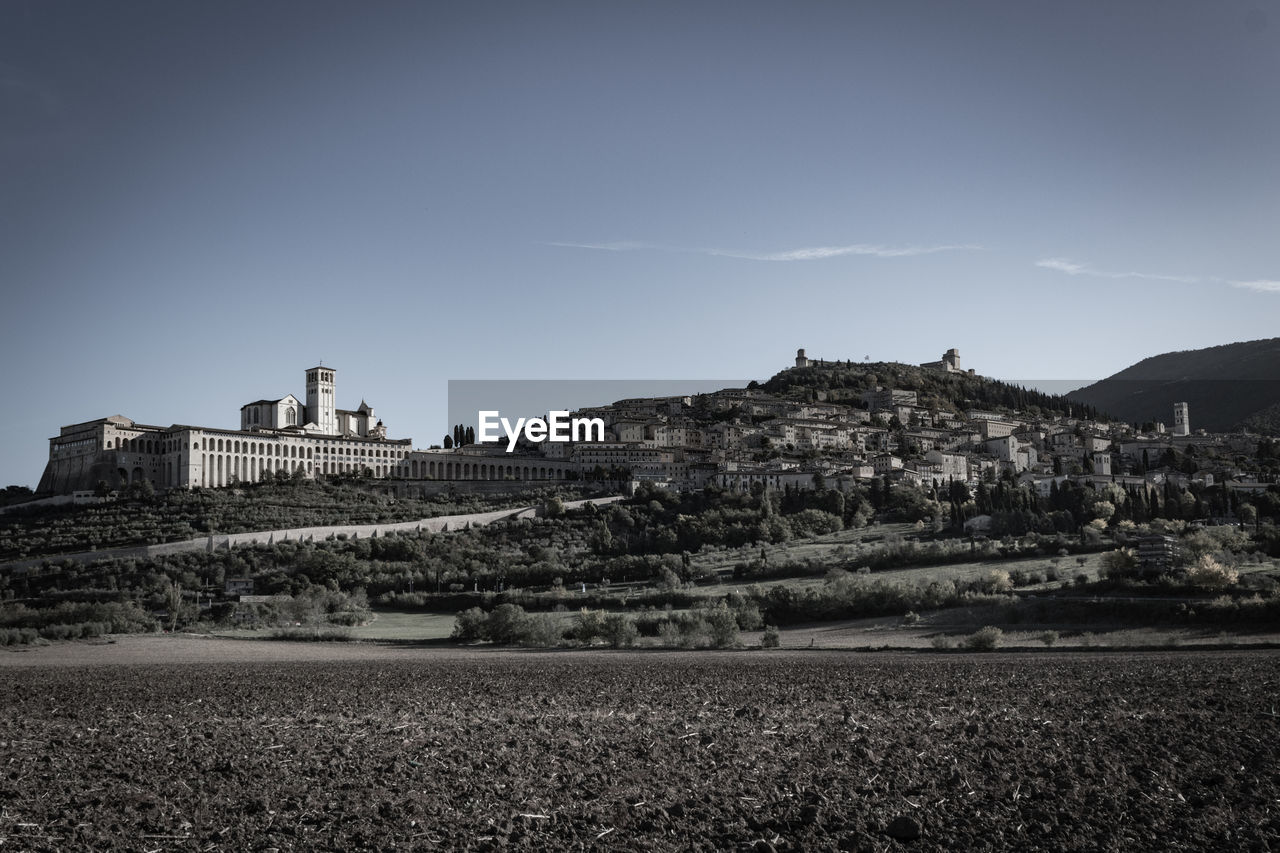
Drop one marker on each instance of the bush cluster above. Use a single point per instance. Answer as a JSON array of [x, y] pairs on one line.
[[985, 639], [510, 625], [714, 626]]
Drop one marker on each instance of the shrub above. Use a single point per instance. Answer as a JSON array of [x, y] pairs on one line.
[[507, 624], [910, 618], [470, 625], [1208, 573], [60, 632], [996, 582], [18, 636], [541, 630], [670, 635], [1120, 562], [1049, 637], [686, 630], [748, 616], [771, 639], [941, 642], [723, 626], [620, 630], [312, 634], [985, 639], [590, 624]]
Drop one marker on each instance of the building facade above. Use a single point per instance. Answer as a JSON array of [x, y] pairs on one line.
[[283, 435]]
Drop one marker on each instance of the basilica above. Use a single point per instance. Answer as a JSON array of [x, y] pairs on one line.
[[310, 438]]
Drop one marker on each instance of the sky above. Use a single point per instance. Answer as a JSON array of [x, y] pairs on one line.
[[200, 200]]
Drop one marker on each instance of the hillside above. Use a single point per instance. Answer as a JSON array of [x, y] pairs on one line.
[[179, 514], [1227, 387], [844, 382]]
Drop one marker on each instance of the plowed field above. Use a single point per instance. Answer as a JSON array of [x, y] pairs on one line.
[[647, 751]]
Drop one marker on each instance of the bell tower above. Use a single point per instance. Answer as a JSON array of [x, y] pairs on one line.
[[320, 400]]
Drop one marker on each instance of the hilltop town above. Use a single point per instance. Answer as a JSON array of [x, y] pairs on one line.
[[832, 421], [957, 489], [817, 422]]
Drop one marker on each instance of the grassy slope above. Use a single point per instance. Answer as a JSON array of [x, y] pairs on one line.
[[187, 515]]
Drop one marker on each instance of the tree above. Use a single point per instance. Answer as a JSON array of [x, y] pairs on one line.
[[471, 625], [985, 639], [173, 601], [448, 442], [1208, 573], [507, 624], [723, 626], [591, 624], [620, 630]]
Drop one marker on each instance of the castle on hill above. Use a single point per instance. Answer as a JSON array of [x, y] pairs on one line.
[[949, 363]]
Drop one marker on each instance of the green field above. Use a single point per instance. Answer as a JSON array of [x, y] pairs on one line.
[[1067, 569], [386, 625], [403, 626], [832, 547]]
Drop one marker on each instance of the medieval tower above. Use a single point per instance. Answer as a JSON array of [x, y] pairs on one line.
[[1181, 419], [320, 400]]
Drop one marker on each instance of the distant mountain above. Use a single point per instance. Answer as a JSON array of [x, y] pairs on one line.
[[1226, 387]]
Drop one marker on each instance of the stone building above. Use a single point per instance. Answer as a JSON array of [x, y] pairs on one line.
[[310, 439], [1181, 419], [949, 363]]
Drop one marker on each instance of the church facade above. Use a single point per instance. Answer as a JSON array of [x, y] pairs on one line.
[[311, 437], [308, 437]]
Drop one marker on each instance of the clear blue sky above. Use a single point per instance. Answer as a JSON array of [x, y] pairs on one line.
[[200, 200]]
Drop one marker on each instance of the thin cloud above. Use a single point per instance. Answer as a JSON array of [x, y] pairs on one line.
[[821, 252], [815, 253], [1262, 285], [1062, 265], [621, 246], [1072, 268]]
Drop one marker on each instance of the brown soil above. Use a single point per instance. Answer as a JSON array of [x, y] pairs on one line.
[[401, 749]]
